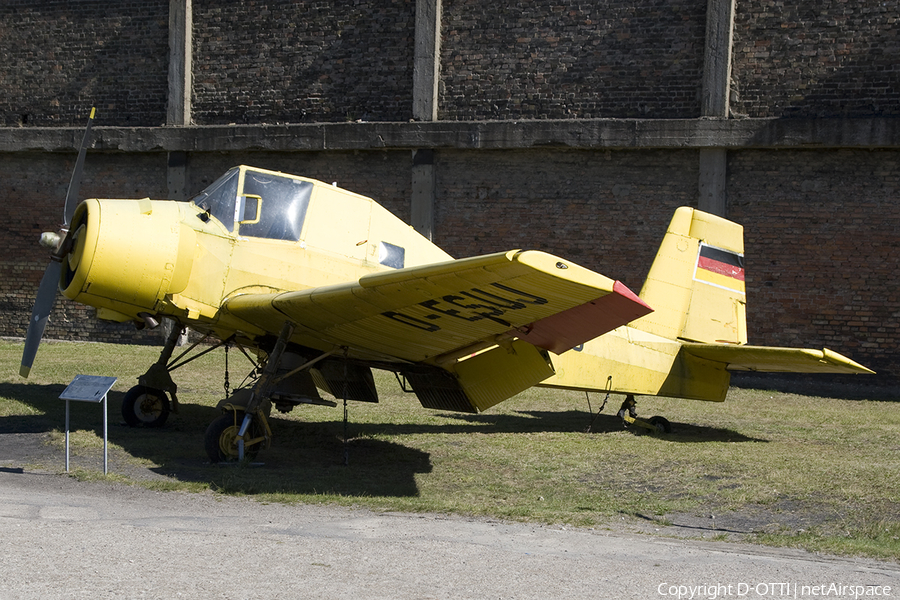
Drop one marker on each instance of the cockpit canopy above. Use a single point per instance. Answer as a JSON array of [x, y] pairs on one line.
[[257, 203]]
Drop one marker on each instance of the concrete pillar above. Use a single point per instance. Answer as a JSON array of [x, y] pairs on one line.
[[716, 92], [176, 176], [717, 58], [423, 183], [426, 77], [178, 111], [712, 181], [427, 60]]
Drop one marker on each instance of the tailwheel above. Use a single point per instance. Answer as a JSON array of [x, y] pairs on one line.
[[661, 423], [145, 406], [221, 439]]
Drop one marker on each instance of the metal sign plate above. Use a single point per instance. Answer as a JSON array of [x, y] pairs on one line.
[[88, 388]]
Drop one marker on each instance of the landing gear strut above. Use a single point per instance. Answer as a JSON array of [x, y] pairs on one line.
[[244, 429], [148, 402]]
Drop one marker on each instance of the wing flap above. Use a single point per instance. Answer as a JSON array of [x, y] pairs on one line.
[[424, 312], [776, 360]]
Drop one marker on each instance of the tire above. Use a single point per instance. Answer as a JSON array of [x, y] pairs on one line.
[[220, 440], [144, 406], [662, 424]]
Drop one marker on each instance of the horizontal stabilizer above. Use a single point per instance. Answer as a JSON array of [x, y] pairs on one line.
[[776, 360]]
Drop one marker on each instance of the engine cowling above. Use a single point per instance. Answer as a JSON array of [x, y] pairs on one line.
[[126, 255]]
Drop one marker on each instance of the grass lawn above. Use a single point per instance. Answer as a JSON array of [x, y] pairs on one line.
[[782, 469]]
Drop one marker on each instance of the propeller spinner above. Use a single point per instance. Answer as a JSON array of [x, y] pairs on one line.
[[46, 295]]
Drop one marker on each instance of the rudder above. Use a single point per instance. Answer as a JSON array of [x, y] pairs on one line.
[[696, 283]]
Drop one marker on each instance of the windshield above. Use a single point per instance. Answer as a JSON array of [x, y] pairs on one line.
[[284, 204], [218, 199]]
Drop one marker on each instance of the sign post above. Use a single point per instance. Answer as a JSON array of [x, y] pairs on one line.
[[88, 388]]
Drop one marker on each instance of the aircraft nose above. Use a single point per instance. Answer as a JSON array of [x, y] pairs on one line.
[[126, 255]]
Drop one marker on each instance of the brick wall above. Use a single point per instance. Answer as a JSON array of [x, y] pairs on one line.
[[822, 59], [821, 239], [559, 59], [606, 211], [281, 61], [58, 59]]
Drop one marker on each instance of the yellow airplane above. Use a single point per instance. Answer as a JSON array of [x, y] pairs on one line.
[[324, 284]]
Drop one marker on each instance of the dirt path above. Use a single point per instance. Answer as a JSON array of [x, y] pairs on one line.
[[62, 538]]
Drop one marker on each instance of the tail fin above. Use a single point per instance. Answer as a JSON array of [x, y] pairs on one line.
[[696, 283]]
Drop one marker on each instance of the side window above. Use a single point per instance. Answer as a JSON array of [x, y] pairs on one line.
[[391, 256], [279, 203]]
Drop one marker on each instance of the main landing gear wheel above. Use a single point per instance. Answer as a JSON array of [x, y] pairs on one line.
[[145, 406], [221, 439]]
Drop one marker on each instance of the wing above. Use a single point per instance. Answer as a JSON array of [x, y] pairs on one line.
[[776, 360], [448, 310]]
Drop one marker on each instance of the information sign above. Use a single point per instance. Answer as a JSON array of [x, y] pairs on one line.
[[88, 388]]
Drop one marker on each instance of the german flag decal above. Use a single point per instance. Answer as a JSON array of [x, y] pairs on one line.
[[721, 268]]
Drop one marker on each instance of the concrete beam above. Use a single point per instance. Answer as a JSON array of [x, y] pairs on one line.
[[588, 134], [426, 77]]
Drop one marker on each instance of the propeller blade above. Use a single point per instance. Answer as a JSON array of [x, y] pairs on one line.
[[75, 182], [43, 304]]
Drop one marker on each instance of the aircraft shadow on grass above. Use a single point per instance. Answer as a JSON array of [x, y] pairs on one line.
[[573, 420], [308, 457]]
